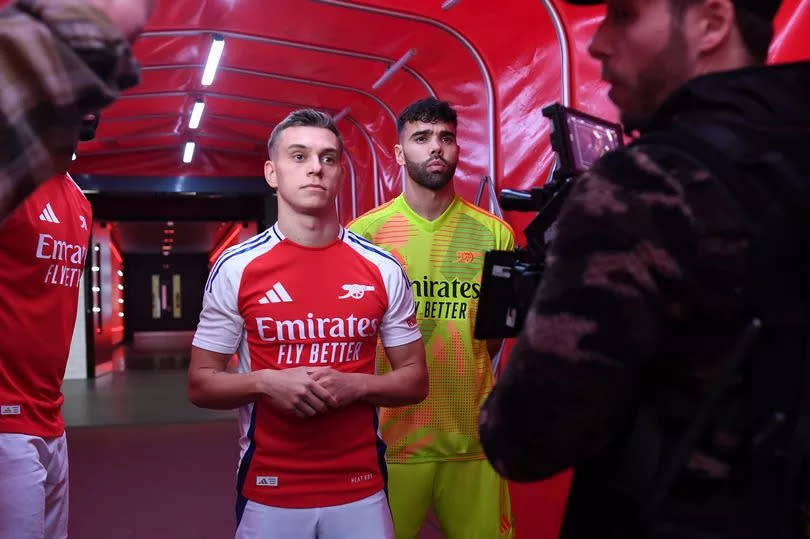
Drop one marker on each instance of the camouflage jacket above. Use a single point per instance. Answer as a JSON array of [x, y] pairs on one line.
[[649, 252], [641, 296]]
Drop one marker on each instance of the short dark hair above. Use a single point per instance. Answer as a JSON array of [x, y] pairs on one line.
[[429, 110], [756, 30], [304, 118]]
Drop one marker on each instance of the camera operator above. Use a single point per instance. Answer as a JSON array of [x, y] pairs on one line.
[[675, 290], [59, 60]]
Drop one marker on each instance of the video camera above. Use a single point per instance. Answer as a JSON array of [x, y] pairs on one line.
[[510, 278]]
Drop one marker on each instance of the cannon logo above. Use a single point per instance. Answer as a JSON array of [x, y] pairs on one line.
[[356, 291], [467, 257]]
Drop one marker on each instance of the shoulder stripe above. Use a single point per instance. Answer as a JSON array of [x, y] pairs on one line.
[[259, 240], [371, 212], [225, 254], [362, 239], [489, 214], [365, 244]]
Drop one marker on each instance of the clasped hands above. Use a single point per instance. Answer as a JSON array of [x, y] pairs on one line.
[[310, 391]]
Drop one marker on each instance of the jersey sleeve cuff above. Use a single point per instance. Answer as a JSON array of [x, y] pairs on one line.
[[402, 339], [211, 346]]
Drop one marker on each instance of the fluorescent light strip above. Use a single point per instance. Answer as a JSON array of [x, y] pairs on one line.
[[196, 115], [342, 114], [217, 46], [188, 154], [396, 66]]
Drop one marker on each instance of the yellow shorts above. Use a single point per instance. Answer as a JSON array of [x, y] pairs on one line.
[[469, 499]]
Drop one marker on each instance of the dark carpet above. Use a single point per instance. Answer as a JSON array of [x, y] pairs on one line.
[[153, 481]]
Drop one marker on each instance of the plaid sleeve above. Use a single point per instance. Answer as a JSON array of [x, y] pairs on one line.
[[59, 60], [626, 239]]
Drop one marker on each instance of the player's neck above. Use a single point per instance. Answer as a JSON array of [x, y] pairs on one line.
[[306, 229], [428, 203]]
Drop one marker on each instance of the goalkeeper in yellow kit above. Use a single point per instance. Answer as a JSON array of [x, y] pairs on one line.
[[434, 455]]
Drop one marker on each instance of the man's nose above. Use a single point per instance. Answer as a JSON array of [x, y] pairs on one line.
[[315, 165], [598, 47], [435, 146]]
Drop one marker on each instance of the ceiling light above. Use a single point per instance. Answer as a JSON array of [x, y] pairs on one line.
[[196, 114], [342, 114], [74, 157], [393, 68], [217, 46], [188, 153]]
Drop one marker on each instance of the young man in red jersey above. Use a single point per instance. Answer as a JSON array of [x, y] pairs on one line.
[[43, 244], [303, 304]]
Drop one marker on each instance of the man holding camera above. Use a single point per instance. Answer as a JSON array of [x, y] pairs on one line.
[[664, 355]]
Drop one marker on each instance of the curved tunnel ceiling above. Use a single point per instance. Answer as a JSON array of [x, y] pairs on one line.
[[497, 63]]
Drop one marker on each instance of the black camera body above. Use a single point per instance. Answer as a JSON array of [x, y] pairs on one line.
[[510, 278]]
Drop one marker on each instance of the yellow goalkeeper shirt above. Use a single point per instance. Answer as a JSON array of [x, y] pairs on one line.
[[444, 261]]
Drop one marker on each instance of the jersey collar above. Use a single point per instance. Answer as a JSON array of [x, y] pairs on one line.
[[422, 223]]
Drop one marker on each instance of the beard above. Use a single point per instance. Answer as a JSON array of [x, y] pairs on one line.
[[87, 129], [87, 133], [431, 180], [662, 75]]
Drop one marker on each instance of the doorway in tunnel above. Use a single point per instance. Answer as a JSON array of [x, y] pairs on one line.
[[166, 265], [151, 253]]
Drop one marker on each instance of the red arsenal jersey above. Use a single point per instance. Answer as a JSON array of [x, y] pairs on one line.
[[43, 245], [282, 305]]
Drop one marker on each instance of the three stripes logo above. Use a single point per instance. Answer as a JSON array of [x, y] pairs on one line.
[[48, 214], [277, 294]]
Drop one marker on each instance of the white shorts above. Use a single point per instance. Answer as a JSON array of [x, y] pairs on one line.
[[33, 487], [369, 518]]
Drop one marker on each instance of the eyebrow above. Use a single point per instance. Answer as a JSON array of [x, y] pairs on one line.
[[442, 133], [292, 147]]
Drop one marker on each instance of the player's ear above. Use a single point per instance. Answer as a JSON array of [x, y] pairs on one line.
[[399, 154], [270, 174]]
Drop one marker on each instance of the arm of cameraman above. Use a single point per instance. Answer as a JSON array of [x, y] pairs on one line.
[[596, 319], [59, 60]]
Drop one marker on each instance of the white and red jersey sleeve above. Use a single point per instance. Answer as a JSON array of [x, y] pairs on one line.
[[399, 322], [221, 326]]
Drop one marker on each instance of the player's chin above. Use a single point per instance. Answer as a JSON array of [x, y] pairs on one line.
[[314, 206]]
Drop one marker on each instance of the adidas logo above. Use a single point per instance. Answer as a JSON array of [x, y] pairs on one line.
[[266, 481], [277, 294], [48, 214]]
